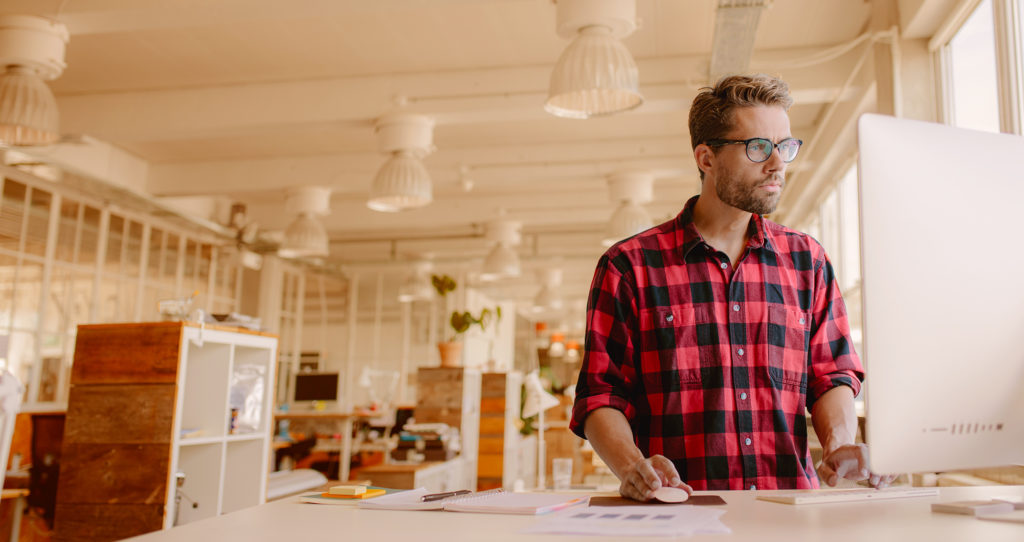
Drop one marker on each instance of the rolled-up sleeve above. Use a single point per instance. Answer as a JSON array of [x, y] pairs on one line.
[[832, 359], [608, 372]]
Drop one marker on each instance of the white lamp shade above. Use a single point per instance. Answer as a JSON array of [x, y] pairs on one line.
[[304, 238], [28, 110], [402, 183], [547, 299], [501, 262], [595, 76], [628, 220], [537, 398], [415, 288]]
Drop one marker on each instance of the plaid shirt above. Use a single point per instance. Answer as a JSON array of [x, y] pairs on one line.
[[714, 365]]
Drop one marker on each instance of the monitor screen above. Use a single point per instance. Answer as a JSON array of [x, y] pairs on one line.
[[943, 295], [316, 387]]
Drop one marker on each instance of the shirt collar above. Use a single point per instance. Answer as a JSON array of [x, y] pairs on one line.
[[687, 236]]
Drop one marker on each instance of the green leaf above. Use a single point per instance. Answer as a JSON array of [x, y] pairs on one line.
[[442, 284]]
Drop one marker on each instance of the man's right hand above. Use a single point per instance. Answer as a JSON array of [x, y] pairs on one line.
[[645, 476]]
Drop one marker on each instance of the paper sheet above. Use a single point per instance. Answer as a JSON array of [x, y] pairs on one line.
[[633, 521]]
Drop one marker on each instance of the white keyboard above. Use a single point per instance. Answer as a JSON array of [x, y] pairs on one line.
[[822, 496]]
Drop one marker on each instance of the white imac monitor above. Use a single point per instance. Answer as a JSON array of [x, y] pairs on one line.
[[942, 261]]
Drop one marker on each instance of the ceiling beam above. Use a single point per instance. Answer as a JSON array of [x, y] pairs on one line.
[[143, 17], [464, 96]]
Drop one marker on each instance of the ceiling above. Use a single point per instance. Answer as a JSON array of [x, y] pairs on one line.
[[241, 99]]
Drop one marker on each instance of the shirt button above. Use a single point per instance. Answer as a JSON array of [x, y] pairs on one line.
[[752, 487], [747, 442], [743, 396], [668, 318], [740, 351], [801, 321], [736, 308], [724, 265]]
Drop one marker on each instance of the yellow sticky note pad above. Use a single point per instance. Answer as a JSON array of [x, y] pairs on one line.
[[366, 494], [347, 490]]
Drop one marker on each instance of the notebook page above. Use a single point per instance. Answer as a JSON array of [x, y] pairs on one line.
[[501, 502], [403, 500]]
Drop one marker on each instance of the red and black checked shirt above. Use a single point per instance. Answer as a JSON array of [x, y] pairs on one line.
[[714, 365]]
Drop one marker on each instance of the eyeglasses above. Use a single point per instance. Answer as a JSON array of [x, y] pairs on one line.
[[760, 149]]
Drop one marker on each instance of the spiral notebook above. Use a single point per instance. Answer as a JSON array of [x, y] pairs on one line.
[[493, 501]]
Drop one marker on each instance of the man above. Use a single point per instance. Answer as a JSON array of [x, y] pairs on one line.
[[709, 335]]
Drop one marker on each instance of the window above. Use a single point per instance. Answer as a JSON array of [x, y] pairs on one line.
[[970, 59], [836, 225], [105, 266]]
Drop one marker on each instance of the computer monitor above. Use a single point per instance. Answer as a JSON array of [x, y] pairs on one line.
[[942, 218], [316, 387]]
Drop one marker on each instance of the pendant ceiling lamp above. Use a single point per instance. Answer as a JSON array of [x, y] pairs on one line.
[[306, 236], [548, 299], [403, 181], [629, 190], [31, 53], [596, 74], [502, 261], [417, 286]]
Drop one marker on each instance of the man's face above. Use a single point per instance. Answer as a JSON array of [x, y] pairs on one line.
[[744, 184]]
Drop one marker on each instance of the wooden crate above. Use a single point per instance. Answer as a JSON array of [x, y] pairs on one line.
[[119, 423], [121, 445]]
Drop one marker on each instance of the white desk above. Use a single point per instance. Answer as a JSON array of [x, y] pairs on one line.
[[899, 520]]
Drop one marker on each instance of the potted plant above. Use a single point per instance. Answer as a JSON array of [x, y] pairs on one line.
[[459, 322]]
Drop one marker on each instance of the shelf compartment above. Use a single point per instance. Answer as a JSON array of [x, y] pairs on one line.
[[204, 406], [241, 488], [201, 465]]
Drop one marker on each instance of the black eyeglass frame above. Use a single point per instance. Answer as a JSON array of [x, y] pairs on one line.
[[747, 142]]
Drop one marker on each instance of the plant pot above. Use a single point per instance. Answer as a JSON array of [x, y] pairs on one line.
[[451, 354]]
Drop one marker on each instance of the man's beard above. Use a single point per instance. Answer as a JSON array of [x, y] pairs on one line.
[[734, 191]]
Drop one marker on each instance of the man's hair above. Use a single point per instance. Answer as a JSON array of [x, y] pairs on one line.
[[711, 115]]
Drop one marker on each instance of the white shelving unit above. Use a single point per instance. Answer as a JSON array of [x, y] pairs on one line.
[[223, 470], [155, 403]]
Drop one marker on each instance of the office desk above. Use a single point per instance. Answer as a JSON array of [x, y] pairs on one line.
[[898, 520], [341, 424]]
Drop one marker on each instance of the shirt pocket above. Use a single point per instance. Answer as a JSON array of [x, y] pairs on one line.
[[789, 335], [669, 352]]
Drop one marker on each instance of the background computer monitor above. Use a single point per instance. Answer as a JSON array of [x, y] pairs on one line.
[[942, 219], [316, 387]]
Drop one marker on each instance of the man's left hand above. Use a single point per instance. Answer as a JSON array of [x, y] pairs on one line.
[[851, 462]]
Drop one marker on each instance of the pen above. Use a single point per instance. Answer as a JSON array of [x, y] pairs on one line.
[[439, 496]]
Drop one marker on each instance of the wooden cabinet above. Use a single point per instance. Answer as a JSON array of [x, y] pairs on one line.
[[499, 434], [153, 403], [452, 396]]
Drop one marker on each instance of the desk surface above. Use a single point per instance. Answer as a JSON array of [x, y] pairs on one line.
[[878, 521]]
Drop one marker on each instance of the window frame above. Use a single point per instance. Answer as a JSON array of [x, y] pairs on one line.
[[1007, 29], [67, 269]]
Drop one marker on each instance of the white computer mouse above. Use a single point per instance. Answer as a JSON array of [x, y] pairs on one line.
[[671, 494]]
